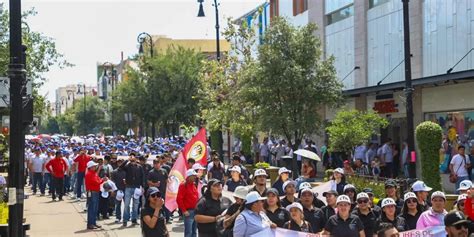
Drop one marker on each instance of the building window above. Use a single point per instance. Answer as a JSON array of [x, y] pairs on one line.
[[340, 14], [274, 6], [374, 3], [299, 6]]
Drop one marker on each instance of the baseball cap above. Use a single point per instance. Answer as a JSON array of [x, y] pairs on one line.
[[305, 185], [348, 187], [455, 218], [153, 190], [240, 192], [91, 164], [198, 166], [294, 205], [387, 202], [390, 183], [461, 197], [420, 186], [409, 195], [438, 194], [362, 195], [138, 193], [339, 170], [288, 182], [190, 172], [465, 185], [272, 190], [283, 170], [260, 172], [236, 169], [343, 198], [333, 192], [253, 197], [368, 190], [305, 190]]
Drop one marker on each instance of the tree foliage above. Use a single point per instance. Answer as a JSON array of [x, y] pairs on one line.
[[428, 137], [84, 118], [351, 128]]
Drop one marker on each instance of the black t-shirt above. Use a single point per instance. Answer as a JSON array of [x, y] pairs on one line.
[[160, 227], [264, 194], [231, 184], [279, 217], [158, 175], [323, 216], [210, 207], [399, 222], [285, 202], [278, 185], [291, 225], [342, 228], [411, 220], [369, 221], [231, 211], [217, 173], [313, 216]]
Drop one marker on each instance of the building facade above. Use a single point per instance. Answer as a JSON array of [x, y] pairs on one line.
[[66, 96]]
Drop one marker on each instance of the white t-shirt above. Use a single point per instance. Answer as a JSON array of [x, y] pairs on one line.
[[459, 163]]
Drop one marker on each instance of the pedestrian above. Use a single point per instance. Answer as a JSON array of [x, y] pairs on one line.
[[118, 176], [37, 168], [459, 204], [459, 165], [153, 222], [283, 175], [421, 191], [328, 210], [338, 181], [57, 167], [456, 224], [391, 192], [464, 186], [411, 210], [260, 180], [187, 199], [134, 183], [92, 183], [234, 210], [387, 229], [348, 168], [235, 180], [370, 193], [244, 173], [264, 151], [289, 187], [435, 215], [81, 161], [209, 209], [387, 159], [366, 214], [343, 223], [252, 219], [47, 178], [157, 177], [106, 188], [275, 212], [217, 169], [310, 212], [389, 215], [297, 221], [361, 168], [350, 191]]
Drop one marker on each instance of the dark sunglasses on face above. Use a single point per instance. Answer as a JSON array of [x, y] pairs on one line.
[[411, 201], [155, 195], [360, 201], [461, 204], [462, 225]]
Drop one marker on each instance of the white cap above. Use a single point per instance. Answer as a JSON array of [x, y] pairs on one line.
[[91, 164], [240, 192], [138, 193], [348, 186], [343, 198], [306, 190], [438, 194], [305, 185], [387, 202], [236, 169], [339, 170], [190, 172], [465, 185], [119, 195], [409, 195], [288, 182], [105, 194], [295, 205], [259, 172], [419, 186], [197, 166], [362, 195], [283, 170], [253, 197], [462, 197]]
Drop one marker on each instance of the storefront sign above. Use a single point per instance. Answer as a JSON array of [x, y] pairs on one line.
[[385, 107]]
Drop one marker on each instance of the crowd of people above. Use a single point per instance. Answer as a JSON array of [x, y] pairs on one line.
[[127, 179]]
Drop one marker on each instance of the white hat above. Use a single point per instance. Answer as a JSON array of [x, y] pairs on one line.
[[339, 170], [438, 194], [190, 172], [259, 172], [465, 185], [305, 185], [253, 197], [288, 182], [138, 193], [462, 197], [236, 169], [105, 194], [409, 195], [305, 190], [343, 198], [119, 195], [240, 192], [419, 186], [283, 170], [294, 205], [348, 186], [198, 166], [362, 195], [387, 202], [91, 164]]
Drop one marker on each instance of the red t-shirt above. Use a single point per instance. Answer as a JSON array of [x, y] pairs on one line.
[[93, 181], [57, 167], [187, 197], [82, 162]]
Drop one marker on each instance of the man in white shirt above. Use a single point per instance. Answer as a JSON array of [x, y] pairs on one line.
[[359, 153], [36, 166], [459, 165], [387, 159]]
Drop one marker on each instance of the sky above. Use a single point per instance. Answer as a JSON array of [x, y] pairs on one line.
[[88, 32]]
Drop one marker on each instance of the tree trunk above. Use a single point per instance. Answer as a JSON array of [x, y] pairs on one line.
[[153, 131]]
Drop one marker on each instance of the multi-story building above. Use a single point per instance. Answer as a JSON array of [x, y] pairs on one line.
[[67, 95]]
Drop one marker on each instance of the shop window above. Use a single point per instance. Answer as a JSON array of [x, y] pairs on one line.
[[457, 126], [340, 14], [374, 3], [299, 6], [274, 6]]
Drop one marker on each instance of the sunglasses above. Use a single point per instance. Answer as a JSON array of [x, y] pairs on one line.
[[155, 195], [360, 201], [462, 225], [411, 201], [461, 204]]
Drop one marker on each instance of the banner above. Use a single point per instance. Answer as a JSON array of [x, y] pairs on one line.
[[436, 231], [196, 148]]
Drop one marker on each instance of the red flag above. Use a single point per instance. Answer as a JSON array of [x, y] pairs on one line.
[[196, 148]]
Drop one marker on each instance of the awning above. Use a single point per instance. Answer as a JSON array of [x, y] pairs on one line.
[[400, 85]]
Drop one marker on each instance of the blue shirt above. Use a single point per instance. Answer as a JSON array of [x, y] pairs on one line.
[[249, 223]]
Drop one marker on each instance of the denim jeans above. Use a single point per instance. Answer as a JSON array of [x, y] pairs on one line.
[[190, 224], [79, 183], [67, 183], [72, 183], [460, 179], [38, 181], [127, 200], [92, 208], [118, 209], [47, 181]]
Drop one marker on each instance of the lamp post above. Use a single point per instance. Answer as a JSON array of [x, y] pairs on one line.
[[141, 39], [84, 92], [201, 14], [110, 80]]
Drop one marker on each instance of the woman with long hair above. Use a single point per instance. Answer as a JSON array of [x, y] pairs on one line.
[[275, 212], [351, 192], [283, 176], [338, 181], [388, 215], [411, 210], [153, 223]]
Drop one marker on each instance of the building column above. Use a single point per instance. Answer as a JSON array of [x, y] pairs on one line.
[[360, 43]]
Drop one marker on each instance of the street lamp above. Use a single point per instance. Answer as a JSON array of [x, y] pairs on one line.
[[79, 86], [141, 39], [201, 14], [105, 83]]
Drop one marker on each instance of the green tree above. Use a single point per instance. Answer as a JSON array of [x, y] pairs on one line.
[[50, 126], [351, 128], [84, 118], [428, 137]]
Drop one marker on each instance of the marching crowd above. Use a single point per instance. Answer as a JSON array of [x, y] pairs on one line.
[[127, 180]]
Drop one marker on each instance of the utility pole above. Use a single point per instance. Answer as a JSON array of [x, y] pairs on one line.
[[408, 89], [16, 169]]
